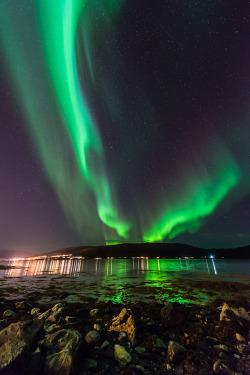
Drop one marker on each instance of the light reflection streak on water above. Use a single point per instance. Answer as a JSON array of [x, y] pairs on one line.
[[119, 267], [214, 267]]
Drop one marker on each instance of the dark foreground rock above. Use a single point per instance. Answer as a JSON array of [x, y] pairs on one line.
[[104, 338]]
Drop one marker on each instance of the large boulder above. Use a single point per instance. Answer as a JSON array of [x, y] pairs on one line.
[[16, 341], [230, 314], [60, 349], [12, 356], [124, 322], [26, 331]]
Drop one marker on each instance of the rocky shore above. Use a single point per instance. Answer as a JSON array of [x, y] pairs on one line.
[[136, 339]]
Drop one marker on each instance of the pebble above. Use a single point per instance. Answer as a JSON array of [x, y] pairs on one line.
[[105, 345], [8, 313], [221, 367], [35, 311], [93, 312], [121, 355], [239, 337], [97, 327], [92, 337], [70, 319], [140, 349], [122, 336], [23, 305]]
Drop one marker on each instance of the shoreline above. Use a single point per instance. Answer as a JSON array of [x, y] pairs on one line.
[[132, 339]]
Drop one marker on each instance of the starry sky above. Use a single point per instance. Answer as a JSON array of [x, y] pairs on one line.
[[124, 121]]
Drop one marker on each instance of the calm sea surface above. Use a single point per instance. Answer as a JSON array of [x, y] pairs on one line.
[[125, 280]]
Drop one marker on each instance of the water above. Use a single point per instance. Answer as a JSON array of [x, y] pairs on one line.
[[125, 280]]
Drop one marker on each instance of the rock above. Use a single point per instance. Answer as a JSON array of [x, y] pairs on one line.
[[23, 305], [239, 337], [26, 331], [93, 313], [60, 349], [221, 368], [59, 307], [159, 345], [56, 317], [175, 351], [124, 322], [45, 315], [242, 348], [122, 336], [92, 337], [8, 313], [35, 311], [71, 319], [140, 349], [189, 366], [121, 355], [97, 327], [105, 345], [15, 342], [229, 314], [223, 347], [50, 327], [106, 350], [13, 353]]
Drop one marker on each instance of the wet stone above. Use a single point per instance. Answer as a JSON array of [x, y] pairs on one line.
[[35, 311], [220, 367], [97, 327], [45, 315], [92, 337], [8, 313], [122, 336], [93, 313], [23, 305], [140, 349], [175, 351], [239, 337], [121, 355]]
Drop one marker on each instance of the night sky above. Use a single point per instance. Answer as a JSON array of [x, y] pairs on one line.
[[124, 121]]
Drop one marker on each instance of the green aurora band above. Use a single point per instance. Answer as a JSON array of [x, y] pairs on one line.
[[58, 26], [203, 194], [41, 55]]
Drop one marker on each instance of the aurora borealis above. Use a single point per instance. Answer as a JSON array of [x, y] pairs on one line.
[[124, 121]]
